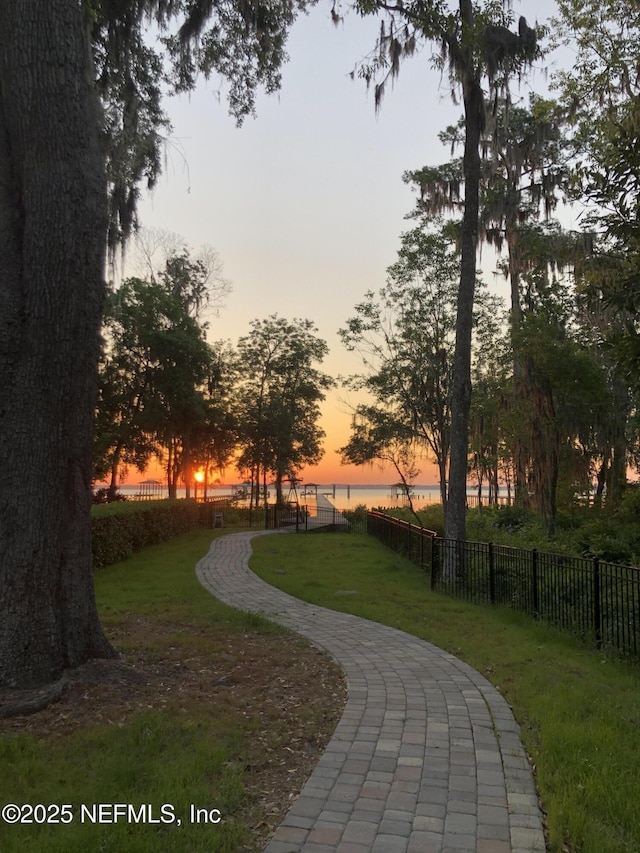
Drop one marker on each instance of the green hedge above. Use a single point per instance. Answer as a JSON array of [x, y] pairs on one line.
[[119, 530]]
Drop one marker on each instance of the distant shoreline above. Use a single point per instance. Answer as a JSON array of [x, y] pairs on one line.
[[344, 496], [226, 486]]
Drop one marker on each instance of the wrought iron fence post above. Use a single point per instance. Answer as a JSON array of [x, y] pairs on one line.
[[434, 560], [534, 582], [597, 618], [492, 579]]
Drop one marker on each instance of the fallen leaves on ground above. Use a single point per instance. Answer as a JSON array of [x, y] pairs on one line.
[[289, 695]]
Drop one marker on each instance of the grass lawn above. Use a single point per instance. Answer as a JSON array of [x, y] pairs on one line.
[[579, 712], [206, 706]]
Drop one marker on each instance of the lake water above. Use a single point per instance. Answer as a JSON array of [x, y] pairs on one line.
[[349, 497], [342, 495]]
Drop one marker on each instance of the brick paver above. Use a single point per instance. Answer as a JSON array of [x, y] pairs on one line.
[[427, 756]]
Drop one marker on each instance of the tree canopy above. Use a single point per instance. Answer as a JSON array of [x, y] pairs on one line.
[[405, 336], [162, 385], [243, 43], [81, 126], [482, 54], [279, 389]]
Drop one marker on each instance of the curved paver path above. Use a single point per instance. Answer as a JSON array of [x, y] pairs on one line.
[[427, 756]]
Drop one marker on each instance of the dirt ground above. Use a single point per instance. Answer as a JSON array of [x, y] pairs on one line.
[[293, 695]]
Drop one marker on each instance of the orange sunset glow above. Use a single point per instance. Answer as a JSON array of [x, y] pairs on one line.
[[336, 424]]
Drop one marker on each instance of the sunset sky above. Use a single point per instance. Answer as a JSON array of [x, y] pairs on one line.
[[305, 204]]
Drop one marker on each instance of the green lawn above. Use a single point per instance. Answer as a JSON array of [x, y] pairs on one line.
[[180, 748], [579, 712]]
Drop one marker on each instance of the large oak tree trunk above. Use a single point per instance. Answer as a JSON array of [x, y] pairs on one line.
[[52, 239]]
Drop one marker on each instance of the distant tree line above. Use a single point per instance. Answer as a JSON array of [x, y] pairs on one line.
[[167, 393]]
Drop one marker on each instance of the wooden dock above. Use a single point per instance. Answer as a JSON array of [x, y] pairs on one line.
[[322, 513]]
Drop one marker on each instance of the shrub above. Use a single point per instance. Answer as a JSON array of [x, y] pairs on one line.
[[106, 496], [629, 511], [358, 514], [605, 539], [432, 517], [121, 531], [511, 518]]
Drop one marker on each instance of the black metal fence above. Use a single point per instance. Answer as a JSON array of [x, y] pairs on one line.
[[290, 516], [595, 600], [329, 519], [417, 543], [227, 514]]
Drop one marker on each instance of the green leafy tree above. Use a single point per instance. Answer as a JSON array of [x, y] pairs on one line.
[[121, 439], [480, 49], [243, 43], [279, 392], [611, 441], [80, 126], [380, 436], [523, 168], [161, 382], [489, 456], [406, 339], [215, 436], [600, 96], [601, 93], [576, 418]]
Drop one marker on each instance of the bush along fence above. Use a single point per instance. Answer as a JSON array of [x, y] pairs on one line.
[[595, 600], [119, 530]]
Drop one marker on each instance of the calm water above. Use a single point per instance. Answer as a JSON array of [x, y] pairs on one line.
[[343, 496], [349, 497]]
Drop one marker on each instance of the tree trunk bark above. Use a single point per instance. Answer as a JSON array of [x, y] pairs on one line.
[[602, 478], [279, 493], [461, 384], [53, 218], [545, 448], [172, 486], [115, 466], [442, 472], [520, 373], [187, 466], [617, 475]]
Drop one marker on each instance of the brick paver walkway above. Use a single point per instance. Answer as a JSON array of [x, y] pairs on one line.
[[427, 757]]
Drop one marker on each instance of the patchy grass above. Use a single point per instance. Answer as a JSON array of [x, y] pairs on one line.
[[206, 706], [579, 712]]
